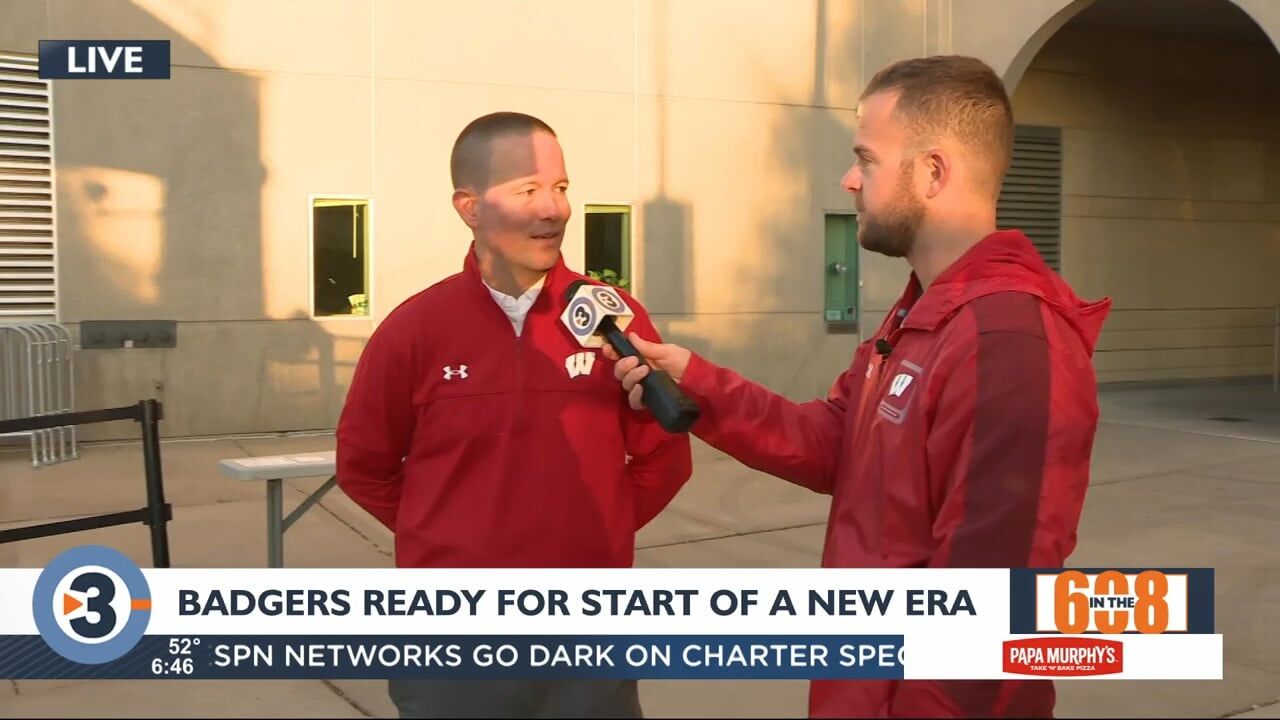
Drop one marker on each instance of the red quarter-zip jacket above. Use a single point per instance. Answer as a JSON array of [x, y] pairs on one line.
[[481, 448], [963, 442]]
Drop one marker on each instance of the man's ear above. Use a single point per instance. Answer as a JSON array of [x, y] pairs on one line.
[[937, 163], [465, 202]]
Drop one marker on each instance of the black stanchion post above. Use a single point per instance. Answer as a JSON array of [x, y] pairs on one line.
[[157, 511]]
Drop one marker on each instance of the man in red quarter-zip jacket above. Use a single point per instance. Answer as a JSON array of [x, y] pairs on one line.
[[483, 435], [960, 435]]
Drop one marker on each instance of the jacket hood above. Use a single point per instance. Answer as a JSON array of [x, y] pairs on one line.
[[1002, 262]]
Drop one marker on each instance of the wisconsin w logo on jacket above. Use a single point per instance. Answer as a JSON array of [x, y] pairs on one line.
[[580, 363], [899, 384]]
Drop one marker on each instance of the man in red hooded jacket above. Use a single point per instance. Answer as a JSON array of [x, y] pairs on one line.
[[961, 434]]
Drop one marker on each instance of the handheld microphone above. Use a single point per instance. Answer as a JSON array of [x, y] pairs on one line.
[[595, 314]]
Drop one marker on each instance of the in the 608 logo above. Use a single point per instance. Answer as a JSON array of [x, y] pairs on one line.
[[1111, 602], [91, 604]]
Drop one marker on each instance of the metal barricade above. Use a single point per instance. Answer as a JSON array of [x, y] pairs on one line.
[[35, 380], [156, 515]]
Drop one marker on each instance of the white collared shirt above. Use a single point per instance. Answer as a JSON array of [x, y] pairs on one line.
[[517, 308]]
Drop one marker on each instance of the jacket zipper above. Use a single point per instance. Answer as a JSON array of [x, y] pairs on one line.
[[520, 369], [894, 338], [870, 386], [513, 427], [516, 426], [871, 390]]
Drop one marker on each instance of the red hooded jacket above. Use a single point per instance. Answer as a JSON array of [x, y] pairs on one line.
[[481, 448], [959, 437]]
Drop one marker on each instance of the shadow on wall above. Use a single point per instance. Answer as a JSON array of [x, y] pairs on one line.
[[159, 197], [813, 149], [777, 266], [667, 223], [160, 200]]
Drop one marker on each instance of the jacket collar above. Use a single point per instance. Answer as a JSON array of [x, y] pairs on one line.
[[554, 284]]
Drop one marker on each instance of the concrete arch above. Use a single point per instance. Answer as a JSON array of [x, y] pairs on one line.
[[1168, 186], [1264, 13], [1018, 65]]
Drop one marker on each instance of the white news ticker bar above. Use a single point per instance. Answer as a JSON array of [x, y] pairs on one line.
[[935, 647], [988, 592]]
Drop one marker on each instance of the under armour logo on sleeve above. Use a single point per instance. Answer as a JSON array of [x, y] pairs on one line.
[[450, 373]]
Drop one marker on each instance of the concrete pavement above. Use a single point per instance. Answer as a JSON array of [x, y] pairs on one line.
[[1171, 486]]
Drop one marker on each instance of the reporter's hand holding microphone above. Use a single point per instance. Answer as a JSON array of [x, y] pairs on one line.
[[597, 316], [667, 357]]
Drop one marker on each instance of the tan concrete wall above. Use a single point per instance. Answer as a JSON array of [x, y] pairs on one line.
[[726, 124], [728, 145], [187, 200], [1171, 195], [1008, 35]]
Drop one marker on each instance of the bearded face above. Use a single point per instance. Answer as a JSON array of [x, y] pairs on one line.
[[889, 225]]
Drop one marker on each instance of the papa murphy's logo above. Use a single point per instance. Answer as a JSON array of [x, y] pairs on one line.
[[1063, 656]]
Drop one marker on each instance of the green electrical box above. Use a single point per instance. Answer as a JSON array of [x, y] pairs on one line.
[[840, 269]]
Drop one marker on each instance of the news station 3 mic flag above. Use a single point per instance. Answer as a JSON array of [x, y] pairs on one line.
[[588, 306], [92, 613]]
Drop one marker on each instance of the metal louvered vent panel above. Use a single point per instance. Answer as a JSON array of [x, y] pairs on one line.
[[1031, 199], [28, 292]]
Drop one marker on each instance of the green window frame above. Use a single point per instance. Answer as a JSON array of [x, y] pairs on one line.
[[607, 243]]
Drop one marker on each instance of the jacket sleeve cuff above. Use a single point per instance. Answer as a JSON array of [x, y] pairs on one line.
[[701, 382], [699, 377]]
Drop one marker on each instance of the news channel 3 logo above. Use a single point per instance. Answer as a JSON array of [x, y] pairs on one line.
[[608, 299], [583, 312], [582, 316], [91, 604]]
